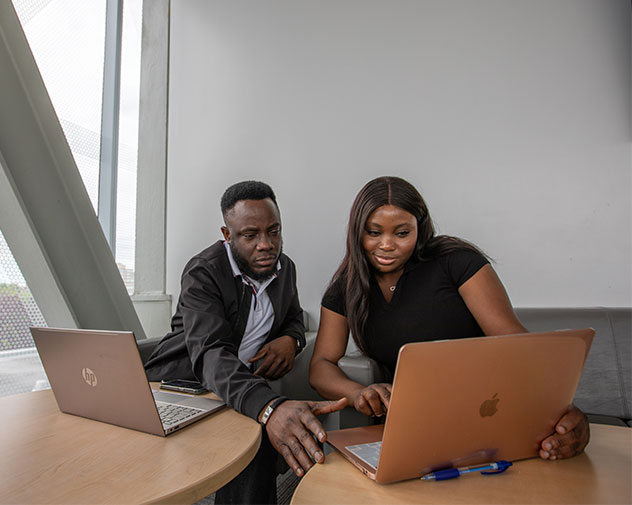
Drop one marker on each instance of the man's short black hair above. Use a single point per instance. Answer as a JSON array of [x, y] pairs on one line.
[[246, 190]]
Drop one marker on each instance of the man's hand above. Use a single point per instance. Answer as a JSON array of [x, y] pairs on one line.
[[290, 429], [571, 436], [373, 400], [278, 357]]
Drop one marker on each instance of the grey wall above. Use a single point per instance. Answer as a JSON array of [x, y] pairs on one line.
[[511, 117]]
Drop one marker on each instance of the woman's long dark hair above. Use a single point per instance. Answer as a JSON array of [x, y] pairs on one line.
[[355, 271]]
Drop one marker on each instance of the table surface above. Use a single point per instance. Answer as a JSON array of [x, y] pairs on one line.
[[601, 475], [51, 457]]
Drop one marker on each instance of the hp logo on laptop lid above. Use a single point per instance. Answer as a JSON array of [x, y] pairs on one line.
[[89, 376]]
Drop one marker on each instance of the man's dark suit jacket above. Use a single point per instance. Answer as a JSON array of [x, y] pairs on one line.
[[209, 324]]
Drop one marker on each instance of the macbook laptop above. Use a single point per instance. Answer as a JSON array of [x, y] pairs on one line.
[[99, 375], [462, 402]]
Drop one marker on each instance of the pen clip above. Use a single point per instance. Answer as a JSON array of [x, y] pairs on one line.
[[502, 466]]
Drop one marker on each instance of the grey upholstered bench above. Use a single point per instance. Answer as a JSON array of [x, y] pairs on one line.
[[604, 391]]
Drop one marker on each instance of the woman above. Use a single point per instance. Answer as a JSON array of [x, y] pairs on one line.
[[398, 280]]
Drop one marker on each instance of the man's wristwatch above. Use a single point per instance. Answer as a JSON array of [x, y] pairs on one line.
[[299, 343], [270, 408]]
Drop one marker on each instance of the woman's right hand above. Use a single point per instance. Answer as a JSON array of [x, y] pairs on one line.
[[329, 381], [373, 400]]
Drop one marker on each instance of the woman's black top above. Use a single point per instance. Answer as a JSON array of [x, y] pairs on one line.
[[426, 305]]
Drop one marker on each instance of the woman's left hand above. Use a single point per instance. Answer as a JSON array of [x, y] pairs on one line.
[[571, 436]]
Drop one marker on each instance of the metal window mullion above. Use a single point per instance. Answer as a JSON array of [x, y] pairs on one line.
[[108, 163]]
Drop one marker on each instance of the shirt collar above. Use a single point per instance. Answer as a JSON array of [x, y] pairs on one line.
[[235, 268]]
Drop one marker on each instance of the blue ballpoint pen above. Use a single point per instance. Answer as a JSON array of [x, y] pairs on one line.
[[452, 473]]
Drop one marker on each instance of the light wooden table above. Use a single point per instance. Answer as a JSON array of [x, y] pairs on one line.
[[601, 475], [50, 457]]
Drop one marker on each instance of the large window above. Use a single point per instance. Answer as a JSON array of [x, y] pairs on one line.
[[68, 40]]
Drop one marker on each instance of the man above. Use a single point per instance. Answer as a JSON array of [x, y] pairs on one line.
[[239, 305]]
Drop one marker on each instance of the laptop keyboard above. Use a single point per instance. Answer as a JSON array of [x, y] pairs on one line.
[[171, 414], [369, 453]]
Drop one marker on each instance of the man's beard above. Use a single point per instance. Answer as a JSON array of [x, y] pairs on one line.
[[259, 276]]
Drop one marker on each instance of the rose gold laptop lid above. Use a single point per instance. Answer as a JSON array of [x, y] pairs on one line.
[[468, 401], [99, 375]]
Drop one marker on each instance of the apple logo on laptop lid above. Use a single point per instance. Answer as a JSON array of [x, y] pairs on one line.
[[489, 407]]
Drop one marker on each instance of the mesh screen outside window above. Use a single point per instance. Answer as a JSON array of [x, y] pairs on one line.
[[20, 367]]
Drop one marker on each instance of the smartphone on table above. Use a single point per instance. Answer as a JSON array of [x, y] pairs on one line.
[[183, 386]]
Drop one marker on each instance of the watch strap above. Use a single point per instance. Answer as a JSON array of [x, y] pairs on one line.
[[300, 343], [270, 408]]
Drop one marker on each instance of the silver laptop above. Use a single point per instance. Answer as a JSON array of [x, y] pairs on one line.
[[462, 402], [99, 375]]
